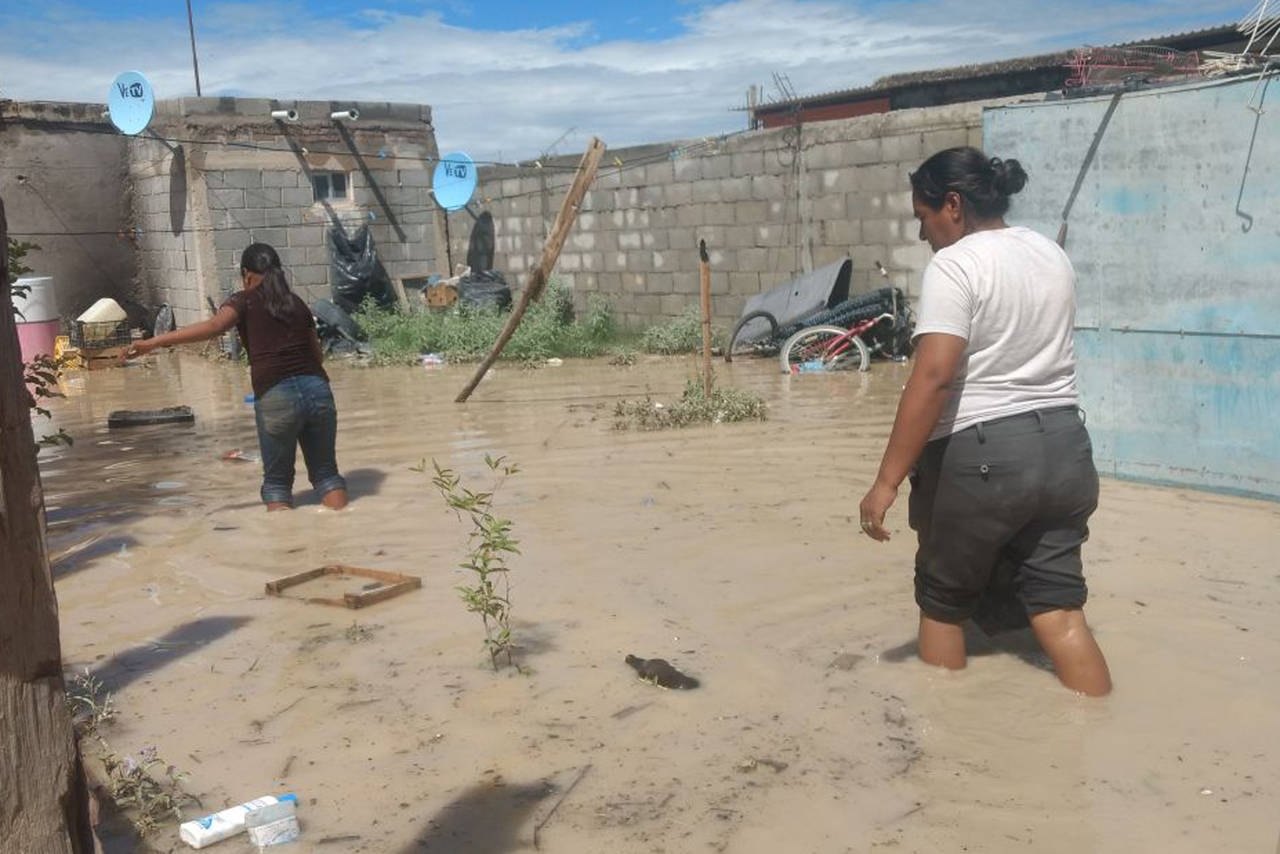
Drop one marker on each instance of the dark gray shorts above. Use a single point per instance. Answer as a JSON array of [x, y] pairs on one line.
[[1005, 502]]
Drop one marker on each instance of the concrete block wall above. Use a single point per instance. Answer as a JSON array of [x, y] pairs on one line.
[[163, 229], [63, 178], [231, 176], [769, 204]]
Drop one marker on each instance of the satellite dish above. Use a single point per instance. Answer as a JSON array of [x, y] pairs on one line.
[[454, 180], [131, 103]]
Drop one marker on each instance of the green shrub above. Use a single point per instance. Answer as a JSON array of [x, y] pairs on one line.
[[681, 334], [465, 334]]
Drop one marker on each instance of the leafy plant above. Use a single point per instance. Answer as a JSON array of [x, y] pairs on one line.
[[726, 405], [41, 375], [491, 542], [681, 334], [464, 333], [132, 786], [17, 250], [91, 706]]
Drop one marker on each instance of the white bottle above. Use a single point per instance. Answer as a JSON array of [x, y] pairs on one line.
[[203, 832]]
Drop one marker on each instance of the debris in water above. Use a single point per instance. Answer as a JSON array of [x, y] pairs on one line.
[[661, 673], [139, 417], [845, 661]]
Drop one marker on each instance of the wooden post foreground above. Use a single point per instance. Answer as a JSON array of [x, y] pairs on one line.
[[550, 254], [43, 802]]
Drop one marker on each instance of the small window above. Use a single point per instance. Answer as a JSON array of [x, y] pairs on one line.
[[329, 186]]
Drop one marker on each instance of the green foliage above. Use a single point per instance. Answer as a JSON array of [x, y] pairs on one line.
[[91, 706], [725, 406], [491, 541], [464, 333], [132, 787], [41, 375], [681, 334], [150, 798], [17, 251]]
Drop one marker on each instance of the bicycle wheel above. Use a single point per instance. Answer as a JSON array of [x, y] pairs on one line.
[[823, 348], [754, 332]]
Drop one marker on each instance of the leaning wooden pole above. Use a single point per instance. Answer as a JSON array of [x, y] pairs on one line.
[[43, 803], [704, 267], [550, 254]]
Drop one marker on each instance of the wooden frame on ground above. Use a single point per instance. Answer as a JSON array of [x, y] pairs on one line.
[[393, 584]]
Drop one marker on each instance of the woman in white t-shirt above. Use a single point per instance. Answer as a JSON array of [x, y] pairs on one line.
[[1001, 466]]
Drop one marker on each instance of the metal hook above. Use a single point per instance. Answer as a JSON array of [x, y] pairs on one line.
[[1261, 77]]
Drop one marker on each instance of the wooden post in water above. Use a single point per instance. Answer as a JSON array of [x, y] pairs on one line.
[[550, 254], [43, 802], [704, 268]]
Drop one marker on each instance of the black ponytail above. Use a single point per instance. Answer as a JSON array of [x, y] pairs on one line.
[[261, 258], [984, 185]]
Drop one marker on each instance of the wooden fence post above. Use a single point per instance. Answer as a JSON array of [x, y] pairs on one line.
[[550, 253], [704, 268]]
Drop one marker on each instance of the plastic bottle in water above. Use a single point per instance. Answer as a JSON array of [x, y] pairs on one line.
[[205, 831]]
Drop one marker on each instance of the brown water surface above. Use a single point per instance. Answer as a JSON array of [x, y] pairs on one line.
[[732, 551]]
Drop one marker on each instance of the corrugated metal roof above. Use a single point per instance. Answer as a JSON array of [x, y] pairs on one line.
[[976, 70]]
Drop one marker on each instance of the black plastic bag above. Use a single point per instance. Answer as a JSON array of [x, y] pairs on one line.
[[357, 272], [484, 289]]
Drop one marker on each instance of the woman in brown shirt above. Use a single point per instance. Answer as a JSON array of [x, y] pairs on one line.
[[293, 404]]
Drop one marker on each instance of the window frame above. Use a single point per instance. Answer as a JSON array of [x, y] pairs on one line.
[[330, 193]]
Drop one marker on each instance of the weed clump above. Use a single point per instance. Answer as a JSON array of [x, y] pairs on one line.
[[681, 334], [91, 705], [151, 798], [624, 359], [724, 406], [466, 334], [148, 795]]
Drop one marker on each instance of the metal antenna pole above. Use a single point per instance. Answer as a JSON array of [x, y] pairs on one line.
[[195, 63]]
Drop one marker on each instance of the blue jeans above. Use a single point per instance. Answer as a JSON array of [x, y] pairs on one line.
[[298, 410]]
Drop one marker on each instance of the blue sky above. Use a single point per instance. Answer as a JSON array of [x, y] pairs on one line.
[[508, 78]]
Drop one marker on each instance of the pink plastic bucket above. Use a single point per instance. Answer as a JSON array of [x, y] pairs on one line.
[[35, 339]]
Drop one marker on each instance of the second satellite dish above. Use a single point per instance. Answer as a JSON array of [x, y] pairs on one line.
[[454, 180], [131, 102]]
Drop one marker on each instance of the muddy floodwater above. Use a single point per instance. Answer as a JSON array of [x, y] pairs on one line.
[[732, 551]]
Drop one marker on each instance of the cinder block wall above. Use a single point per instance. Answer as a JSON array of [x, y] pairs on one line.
[[229, 175], [768, 203], [64, 183]]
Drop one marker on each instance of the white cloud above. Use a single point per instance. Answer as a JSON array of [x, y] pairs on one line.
[[513, 92]]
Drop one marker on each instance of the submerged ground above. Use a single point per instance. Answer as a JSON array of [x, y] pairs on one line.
[[732, 551]]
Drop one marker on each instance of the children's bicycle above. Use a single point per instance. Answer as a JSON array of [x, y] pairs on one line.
[[844, 337], [834, 348]]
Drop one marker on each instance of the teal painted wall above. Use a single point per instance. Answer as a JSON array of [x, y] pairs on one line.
[[1175, 236]]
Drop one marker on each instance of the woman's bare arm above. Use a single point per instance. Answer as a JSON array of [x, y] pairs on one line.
[[937, 360], [202, 331]]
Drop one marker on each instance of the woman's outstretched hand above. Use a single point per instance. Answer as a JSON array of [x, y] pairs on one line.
[[871, 511], [137, 349]]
